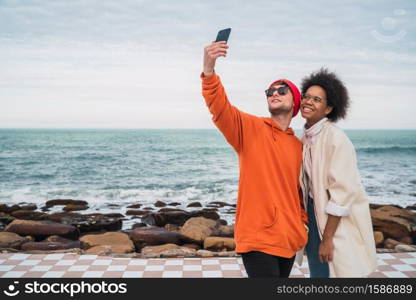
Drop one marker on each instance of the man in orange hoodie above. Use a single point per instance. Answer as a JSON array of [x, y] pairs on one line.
[[270, 218]]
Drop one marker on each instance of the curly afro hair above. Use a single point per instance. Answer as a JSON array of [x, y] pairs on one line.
[[336, 92]]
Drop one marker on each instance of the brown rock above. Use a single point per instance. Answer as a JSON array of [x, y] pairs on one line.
[[405, 248], [177, 217], [160, 204], [218, 204], [194, 204], [162, 218], [226, 231], [379, 238], [199, 228], [28, 206], [50, 245], [192, 246], [58, 239], [166, 209], [377, 206], [73, 207], [154, 251], [54, 202], [151, 236], [12, 240], [134, 206], [114, 215], [174, 204], [222, 222], [8, 209], [118, 242], [390, 243], [219, 243], [40, 228], [28, 214], [172, 227], [168, 250], [226, 254], [4, 220], [206, 213], [136, 212], [205, 253], [99, 250], [89, 222], [138, 225], [394, 222], [406, 240]]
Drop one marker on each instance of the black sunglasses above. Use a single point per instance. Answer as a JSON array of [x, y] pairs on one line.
[[281, 91]]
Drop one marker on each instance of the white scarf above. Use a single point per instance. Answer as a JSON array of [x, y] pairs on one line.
[[309, 138]]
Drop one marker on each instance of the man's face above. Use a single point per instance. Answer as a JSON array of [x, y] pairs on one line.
[[278, 103]]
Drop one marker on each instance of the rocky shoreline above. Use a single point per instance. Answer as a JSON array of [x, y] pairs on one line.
[[163, 231]]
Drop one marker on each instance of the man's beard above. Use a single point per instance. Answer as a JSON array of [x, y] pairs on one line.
[[283, 110]]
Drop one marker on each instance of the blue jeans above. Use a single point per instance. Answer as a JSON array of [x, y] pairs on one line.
[[316, 268]]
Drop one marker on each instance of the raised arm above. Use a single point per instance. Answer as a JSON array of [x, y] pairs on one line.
[[226, 117]]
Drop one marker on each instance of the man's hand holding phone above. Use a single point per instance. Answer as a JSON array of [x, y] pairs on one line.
[[215, 50]]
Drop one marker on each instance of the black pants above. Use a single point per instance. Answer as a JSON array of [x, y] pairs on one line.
[[262, 265]]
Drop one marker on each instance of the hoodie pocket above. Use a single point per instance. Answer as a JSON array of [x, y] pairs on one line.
[[269, 223]]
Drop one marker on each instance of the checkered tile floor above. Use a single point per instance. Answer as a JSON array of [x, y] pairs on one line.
[[82, 266]]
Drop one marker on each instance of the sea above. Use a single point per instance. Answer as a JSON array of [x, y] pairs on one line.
[[113, 168]]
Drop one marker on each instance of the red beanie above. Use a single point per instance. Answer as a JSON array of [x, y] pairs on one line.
[[295, 92]]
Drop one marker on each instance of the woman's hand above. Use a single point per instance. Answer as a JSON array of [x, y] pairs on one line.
[[326, 250]]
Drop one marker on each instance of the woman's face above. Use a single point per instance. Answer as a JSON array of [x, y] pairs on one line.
[[313, 106]]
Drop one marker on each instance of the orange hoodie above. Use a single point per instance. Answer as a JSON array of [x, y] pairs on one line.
[[269, 217]]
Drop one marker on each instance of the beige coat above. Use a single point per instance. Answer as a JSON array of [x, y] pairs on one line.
[[338, 191]]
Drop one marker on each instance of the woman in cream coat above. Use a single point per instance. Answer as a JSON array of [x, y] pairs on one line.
[[341, 241]]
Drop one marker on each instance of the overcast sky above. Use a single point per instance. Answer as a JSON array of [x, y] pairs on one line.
[[136, 64]]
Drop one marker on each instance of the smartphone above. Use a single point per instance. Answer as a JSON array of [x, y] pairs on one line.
[[223, 35]]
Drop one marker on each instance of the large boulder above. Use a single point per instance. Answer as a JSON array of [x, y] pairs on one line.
[[199, 228], [12, 240], [219, 243], [177, 217], [41, 228], [89, 222], [117, 242], [151, 236], [168, 250], [394, 222]]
